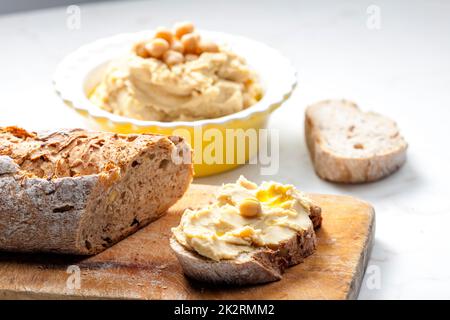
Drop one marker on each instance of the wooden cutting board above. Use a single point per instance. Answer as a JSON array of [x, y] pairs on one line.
[[143, 266]]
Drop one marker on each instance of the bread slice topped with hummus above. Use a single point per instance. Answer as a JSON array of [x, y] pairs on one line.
[[79, 192], [248, 235], [348, 145]]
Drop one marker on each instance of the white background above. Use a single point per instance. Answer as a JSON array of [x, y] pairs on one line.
[[401, 70]]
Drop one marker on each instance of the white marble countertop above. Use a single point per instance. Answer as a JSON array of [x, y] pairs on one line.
[[401, 69]]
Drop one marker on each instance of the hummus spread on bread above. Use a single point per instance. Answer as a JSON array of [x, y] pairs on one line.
[[243, 218], [174, 86]]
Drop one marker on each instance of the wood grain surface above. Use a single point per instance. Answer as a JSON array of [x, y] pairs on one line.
[[143, 266]]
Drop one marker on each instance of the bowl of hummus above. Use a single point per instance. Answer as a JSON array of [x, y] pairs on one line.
[[213, 88]]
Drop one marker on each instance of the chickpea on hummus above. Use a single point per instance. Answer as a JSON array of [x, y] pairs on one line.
[[177, 76]]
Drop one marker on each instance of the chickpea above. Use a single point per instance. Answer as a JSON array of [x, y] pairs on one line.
[[141, 51], [164, 33], [207, 46], [173, 57], [177, 46], [250, 207], [190, 42], [157, 47], [183, 28]]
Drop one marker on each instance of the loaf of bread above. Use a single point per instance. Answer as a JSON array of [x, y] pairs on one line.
[[79, 192], [351, 146]]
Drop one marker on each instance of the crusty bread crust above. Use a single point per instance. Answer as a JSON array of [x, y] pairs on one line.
[[79, 192], [348, 167], [263, 265], [315, 214]]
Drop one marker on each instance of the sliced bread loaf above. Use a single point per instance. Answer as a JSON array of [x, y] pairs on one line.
[[350, 146], [79, 192], [260, 266]]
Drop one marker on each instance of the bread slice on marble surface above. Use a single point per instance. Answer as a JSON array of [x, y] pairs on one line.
[[79, 192], [348, 145], [261, 266]]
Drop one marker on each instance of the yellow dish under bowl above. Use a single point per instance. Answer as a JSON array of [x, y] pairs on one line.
[[80, 72]]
